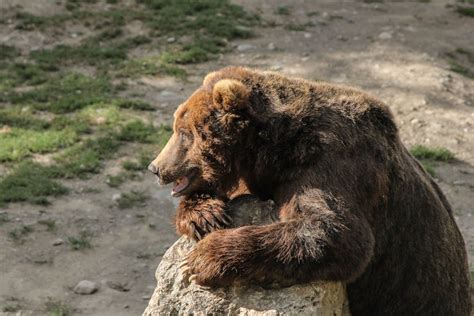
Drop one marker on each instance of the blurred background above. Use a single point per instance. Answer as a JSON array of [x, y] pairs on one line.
[[87, 93]]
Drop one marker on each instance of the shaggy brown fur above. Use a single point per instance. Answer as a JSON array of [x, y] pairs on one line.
[[355, 206]]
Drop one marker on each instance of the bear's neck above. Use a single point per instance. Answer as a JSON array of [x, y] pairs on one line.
[[274, 148]]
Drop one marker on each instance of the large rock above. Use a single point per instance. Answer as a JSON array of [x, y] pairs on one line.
[[174, 295]]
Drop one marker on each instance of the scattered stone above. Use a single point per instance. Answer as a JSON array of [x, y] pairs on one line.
[[171, 39], [126, 306], [385, 35], [342, 38], [116, 197], [58, 242], [86, 287], [307, 35], [245, 47], [271, 46], [146, 297]]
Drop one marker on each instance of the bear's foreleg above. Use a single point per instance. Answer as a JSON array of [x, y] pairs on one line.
[[199, 214], [324, 246]]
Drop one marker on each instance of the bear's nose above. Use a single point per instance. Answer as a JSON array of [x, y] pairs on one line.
[[153, 169]]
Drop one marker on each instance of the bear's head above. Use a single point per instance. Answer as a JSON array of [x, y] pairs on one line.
[[208, 131]]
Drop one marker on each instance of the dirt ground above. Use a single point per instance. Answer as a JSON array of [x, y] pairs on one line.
[[396, 51]]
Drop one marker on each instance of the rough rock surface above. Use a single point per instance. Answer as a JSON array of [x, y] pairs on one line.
[[174, 295]]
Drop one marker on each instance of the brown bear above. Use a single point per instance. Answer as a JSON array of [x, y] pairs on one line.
[[354, 205]]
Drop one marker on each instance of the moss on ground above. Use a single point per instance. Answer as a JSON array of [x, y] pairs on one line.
[[461, 61], [429, 157], [30, 182], [132, 199], [435, 154], [18, 143]]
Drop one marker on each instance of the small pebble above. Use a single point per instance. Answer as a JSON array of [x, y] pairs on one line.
[[58, 242], [385, 35], [245, 47], [86, 287]]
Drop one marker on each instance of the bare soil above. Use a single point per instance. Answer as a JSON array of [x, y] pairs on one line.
[[396, 51]]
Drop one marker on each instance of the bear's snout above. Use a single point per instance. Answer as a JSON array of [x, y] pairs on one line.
[[154, 169]]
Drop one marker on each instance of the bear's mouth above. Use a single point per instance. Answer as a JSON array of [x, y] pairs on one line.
[[181, 184]]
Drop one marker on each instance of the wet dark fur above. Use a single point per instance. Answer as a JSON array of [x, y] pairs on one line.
[[355, 206]]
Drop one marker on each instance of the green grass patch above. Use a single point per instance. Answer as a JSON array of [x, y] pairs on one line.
[[57, 308], [20, 143], [137, 105], [81, 242], [209, 17], [90, 53], [138, 131], [12, 308], [461, 61], [21, 117], [465, 11], [7, 52], [298, 27], [200, 50], [65, 94], [4, 218], [86, 158], [150, 66], [130, 172], [132, 165], [116, 180], [17, 74], [283, 10], [27, 21], [102, 113], [29, 182], [19, 233], [132, 199], [429, 156], [435, 154], [50, 224], [210, 22], [34, 183], [25, 117], [462, 70], [75, 123]]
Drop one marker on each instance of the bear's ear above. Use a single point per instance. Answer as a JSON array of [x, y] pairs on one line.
[[230, 95]]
